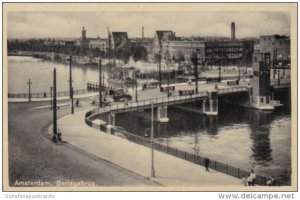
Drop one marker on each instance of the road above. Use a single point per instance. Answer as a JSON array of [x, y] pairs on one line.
[[33, 157]]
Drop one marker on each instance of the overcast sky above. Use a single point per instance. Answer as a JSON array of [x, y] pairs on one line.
[[69, 24]]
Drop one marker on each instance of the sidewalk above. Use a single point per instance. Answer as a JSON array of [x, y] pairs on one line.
[[170, 171], [79, 96]]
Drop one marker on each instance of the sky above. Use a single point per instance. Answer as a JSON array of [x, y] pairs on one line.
[[69, 24]]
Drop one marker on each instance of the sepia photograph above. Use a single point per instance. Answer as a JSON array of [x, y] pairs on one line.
[[149, 96]]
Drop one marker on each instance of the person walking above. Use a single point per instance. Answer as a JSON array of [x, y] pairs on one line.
[[206, 163]]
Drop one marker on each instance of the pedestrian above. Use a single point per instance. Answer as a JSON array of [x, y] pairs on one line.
[[206, 163], [77, 102], [45, 95], [250, 180], [244, 181], [54, 139], [269, 182], [273, 181], [59, 140], [253, 175]]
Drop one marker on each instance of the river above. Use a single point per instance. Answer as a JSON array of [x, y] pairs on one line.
[[240, 137], [40, 72]]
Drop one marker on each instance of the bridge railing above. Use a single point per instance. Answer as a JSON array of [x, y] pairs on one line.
[[47, 94], [232, 90], [192, 157]]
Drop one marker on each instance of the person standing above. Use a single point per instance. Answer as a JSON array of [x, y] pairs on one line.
[[253, 176], [250, 180], [206, 163]]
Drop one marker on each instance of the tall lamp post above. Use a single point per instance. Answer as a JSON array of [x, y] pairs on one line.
[[195, 62], [100, 81], [54, 104], [51, 97], [29, 90], [136, 87], [71, 87], [159, 64], [167, 58], [152, 137]]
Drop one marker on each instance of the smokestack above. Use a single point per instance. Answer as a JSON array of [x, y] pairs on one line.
[[142, 32], [232, 31]]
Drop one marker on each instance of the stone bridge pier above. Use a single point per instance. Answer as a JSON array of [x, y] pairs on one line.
[[162, 114], [210, 105]]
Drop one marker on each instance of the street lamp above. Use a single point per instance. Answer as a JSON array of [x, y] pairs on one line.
[[71, 87], [152, 136], [51, 97], [54, 106], [100, 81], [195, 62], [29, 90]]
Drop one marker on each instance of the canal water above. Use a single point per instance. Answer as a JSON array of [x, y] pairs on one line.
[[240, 137], [40, 72]]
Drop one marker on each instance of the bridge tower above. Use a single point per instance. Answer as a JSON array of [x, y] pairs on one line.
[[260, 95], [210, 105]]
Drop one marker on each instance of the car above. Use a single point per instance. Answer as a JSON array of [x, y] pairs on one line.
[[122, 97]]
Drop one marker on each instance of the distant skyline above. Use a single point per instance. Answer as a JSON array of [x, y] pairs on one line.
[[69, 24]]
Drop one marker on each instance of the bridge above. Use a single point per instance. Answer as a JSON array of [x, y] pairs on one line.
[[209, 105]]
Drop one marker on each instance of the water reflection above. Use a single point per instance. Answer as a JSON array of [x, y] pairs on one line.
[[260, 132]]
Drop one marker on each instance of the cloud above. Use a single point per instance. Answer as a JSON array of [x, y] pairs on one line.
[[69, 24]]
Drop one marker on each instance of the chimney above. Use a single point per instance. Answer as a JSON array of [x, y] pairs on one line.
[[232, 31], [142, 32]]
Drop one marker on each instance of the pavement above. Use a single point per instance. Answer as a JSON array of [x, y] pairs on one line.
[[33, 157], [170, 170]]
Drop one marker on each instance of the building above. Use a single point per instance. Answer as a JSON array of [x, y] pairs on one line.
[[118, 40], [101, 44], [229, 51], [159, 37], [182, 49], [145, 42], [278, 46]]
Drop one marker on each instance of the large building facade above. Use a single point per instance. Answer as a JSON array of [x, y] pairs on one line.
[[278, 46], [229, 52]]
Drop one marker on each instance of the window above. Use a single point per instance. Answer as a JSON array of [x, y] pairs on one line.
[[261, 100]]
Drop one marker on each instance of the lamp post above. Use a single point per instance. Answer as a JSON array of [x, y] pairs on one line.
[[54, 104], [167, 61], [29, 90], [100, 81], [195, 62], [51, 98], [71, 87], [152, 136], [136, 88], [159, 64]]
